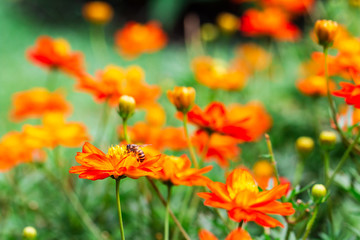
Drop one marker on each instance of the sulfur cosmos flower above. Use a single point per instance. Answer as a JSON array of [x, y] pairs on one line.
[[277, 24], [314, 86], [54, 131], [178, 171], [253, 56], [241, 197], [296, 7], [36, 102], [215, 146], [97, 12], [217, 74], [113, 82], [56, 54], [118, 162], [136, 38], [351, 93], [237, 234]]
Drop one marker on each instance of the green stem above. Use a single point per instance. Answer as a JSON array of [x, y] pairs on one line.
[[288, 231], [326, 165], [98, 42], [119, 209], [343, 159], [126, 136], [103, 122], [240, 224], [51, 79], [299, 170], [311, 222], [166, 227], [272, 157], [191, 147]]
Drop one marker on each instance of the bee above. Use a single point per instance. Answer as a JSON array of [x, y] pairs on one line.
[[135, 149]]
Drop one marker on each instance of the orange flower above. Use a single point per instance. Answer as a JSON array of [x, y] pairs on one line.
[[277, 24], [36, 102], [258, 120], [135, 38], [237, 234], [182, 98], [178, 171], [315, 86], [110, 84], [219, 147], [350, 92], [97, 12], [15, 148], [55, 131], [297, 7], [56, 54], [240, 196], [255, 57], [117, 163], [325, 31], [215, 118], [216, 74]]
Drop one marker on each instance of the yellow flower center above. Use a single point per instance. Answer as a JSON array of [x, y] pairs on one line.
[[117, 152], [61, 47]]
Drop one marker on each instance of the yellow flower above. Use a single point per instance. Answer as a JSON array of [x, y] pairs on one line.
[[97, 12], [228, 22]]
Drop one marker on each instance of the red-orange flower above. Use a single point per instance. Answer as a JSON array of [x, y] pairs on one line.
[[113, 82], [215, 118], [56, 54], [135, 38], [350, 92], [315, 86], [348, 117], [240, 196], [222, 148], [277, 24], [55, 131], [237, 234], [36, 102], [298, 6], [16, 148], [118, 162], [216, 74], [178, 171]]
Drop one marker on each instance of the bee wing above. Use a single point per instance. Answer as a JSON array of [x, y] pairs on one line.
[[144, 145]]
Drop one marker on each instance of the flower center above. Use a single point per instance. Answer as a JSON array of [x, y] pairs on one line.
[[117, 152]]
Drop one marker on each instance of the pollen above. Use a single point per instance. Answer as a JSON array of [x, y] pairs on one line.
[[117, 152]]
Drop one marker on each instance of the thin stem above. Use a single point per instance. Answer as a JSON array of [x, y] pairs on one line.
[[240, 224], [288, 231], [311, 222], [272, 157], [166, 226], [191, 147], [119, 209], [51, 79], [326, 165], [299, 170], [162, 199], [126, 136], [343, 159], [103, 122]]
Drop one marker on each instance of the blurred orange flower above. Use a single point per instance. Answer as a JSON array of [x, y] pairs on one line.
[[255, 57], [277, 24], [237, 234], [12, 154], [113, 82], [350, 92], [315, 86], [216, 118], [135, 38], [298, 6], [97, 12], [240, 196], [216, 74], [348, 116], [56, 54], [36, 102], [219, 147], [178, 171], [117, 163], [55, 131]]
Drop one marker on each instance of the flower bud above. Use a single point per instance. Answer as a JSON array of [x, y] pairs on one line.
[[29, 233], [228, 22], [97, 12], [325, 31], [327, 139], [182, 97], [304, 145], [126, 106], [318, 191]]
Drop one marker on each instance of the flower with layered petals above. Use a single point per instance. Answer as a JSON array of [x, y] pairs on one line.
[[217, 74], [350, 92], [135, 38], [277, 24], [56, 54], [222, 148], [16, 148], [55, 131], [36, 102], [113, 82], [315, 86], [178, 171], [240, 196], [117, 163], [237, 234]]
